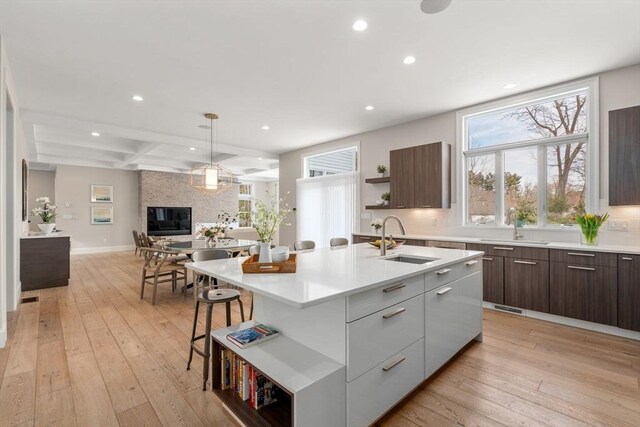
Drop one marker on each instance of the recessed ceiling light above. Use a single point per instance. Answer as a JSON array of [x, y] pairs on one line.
[[137, 98], [510, 85], [259, 158], [360, 25], [192, 148], [95, 134], [204, 126], [369, 107], [265, 127], [409, 60]]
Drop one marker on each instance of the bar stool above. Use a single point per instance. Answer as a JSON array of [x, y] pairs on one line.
[[211, 297]]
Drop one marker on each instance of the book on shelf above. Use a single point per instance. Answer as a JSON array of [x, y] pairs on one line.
[[253, 335]]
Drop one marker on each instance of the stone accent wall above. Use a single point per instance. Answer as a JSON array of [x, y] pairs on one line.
[[174, 190]]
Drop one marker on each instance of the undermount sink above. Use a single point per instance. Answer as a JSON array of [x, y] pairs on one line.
[[528, 242], [410, 259]]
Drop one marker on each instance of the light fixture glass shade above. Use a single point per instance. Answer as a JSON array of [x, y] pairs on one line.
[[211, 178], [434, 6]]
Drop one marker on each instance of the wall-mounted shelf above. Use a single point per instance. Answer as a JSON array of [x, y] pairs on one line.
[[377, 207], [378, 180]]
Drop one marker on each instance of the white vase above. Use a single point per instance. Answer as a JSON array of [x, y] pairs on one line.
[[47, 228], [265, 252]]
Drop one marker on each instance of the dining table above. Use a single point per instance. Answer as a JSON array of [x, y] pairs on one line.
[[188, 247]]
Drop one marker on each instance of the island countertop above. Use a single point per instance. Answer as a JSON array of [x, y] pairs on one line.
[[327, 273]]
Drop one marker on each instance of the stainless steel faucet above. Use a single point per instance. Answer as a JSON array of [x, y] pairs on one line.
[[513, 218], [383, 243]]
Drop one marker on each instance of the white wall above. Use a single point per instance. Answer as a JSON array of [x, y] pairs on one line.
[[618, 88], [41, 184], [73, 197]]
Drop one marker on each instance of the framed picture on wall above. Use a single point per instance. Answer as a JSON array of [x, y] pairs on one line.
[[101, 215], [101, 193]]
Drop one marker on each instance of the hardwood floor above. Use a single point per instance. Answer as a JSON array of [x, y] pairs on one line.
[[93, 354]]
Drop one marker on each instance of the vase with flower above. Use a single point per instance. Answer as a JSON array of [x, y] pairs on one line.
[[266, 219], [589, 224], [377, 225], [47, 214]]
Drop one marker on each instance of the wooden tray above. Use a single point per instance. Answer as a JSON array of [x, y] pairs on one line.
[[252, 265]]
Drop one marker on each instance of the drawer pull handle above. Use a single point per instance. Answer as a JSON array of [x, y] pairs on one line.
[[444, 271], [394, 287], [394, 313], [470, 263], [487, 259], [426, 206], [626, 258], [394, 364], [580, 254], [573, 267], [400, 207], [443, 291], [502, 248], [525, 262], [364, 238]]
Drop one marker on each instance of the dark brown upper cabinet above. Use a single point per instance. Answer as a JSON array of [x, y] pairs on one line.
[[624, 156], [421, 176]]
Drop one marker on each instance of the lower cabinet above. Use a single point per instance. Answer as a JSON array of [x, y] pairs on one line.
[[453, 317], [629, 292], [584, 292], [526, 284], [493, 279]]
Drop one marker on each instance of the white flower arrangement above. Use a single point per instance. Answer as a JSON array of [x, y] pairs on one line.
[[376, 224], [46, 211], [268, 217]]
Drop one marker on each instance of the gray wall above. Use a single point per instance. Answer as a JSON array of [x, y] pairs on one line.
[[41, 184], [618, 89]]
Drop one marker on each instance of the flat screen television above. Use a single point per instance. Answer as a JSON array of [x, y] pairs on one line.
[[168, 221]]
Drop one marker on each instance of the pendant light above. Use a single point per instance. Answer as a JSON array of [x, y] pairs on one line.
[[434, 6], [211, 177]]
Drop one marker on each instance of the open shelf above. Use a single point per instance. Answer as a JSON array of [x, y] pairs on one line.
[[377, 207], [276, 414], [378, 180]]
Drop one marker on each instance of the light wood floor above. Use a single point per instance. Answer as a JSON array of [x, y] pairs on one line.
[[93, 354]]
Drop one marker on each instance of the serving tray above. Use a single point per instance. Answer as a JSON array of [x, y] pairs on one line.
[[252, 266]]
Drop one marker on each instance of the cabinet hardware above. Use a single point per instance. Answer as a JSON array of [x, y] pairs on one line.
[[443, 291], [487, 258], [364, 238], [394, 313], [394, 287], [394, 364], [426, 206], [580, 254], [502, 248], [473, 262], [525, 262], [573, 267], [400, 207], [444, 271], [626, 258]]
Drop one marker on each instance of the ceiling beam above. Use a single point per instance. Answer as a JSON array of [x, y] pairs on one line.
[[63, 160], [142, 151], [45, 149], [102, 145]]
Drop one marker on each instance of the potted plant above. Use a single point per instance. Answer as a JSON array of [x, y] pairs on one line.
[[386, 197], [46, 214], [382, 169], [377, 225], [589, 224], [267, 219]]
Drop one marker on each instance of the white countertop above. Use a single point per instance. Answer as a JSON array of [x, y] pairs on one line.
[[327, 273], [38, 235], [486, 241]]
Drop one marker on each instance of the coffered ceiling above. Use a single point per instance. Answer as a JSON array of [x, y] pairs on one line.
[[297, 67]]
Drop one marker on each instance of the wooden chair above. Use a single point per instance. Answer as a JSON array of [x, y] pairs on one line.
[[199, 279], [159, 269], [136, 241], [302, 245], [338, 241]]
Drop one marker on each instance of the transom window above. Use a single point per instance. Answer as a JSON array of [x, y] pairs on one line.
[[536, 154], [331, 163]]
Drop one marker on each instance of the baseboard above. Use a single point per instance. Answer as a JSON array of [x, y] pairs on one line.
[[104, 249], [567, 321]]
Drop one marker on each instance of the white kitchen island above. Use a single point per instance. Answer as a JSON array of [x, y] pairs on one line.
[[359, 331]]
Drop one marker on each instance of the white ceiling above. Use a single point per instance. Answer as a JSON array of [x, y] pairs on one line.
[[296, 66]]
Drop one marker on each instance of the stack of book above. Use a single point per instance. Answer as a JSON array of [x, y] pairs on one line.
[[247, 383], [253, 335]]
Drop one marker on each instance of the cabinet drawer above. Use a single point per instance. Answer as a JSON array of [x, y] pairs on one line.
[[584, 257], [380, 335], [362, 239], [526, 284], [453, 317], [629, 292], [412, 242], [448, 274], [510, 251], [377, 391], [446, 245], [365, 303]]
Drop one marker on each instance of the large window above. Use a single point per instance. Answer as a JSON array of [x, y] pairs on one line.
[[245, 204], [536, 154]]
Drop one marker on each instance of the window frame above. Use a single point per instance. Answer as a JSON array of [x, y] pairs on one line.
[[592, 137], [314, 153], [247, 197]]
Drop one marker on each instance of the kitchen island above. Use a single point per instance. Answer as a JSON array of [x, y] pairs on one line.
[[361, 329]]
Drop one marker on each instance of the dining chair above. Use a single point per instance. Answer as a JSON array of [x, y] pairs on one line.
[[136, 241], [302, 245], [254, 250], [338, 241], [158, 268], [199, 279]]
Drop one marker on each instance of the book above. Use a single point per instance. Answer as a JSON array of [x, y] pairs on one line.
[[266, 391], [251, 336]]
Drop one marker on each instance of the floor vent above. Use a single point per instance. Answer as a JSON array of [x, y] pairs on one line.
[[509, 309], [29, 299]]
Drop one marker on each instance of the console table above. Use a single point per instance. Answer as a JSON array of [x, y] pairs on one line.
[[44, 261]]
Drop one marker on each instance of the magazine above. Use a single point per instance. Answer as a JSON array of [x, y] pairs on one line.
[[255, 334]]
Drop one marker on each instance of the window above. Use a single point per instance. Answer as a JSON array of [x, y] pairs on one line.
[[537, 154], [331, 163], [245, 205]]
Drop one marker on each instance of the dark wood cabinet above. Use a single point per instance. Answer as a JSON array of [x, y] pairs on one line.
[[493, 279], [526, 284], [584, 292], [624, 156], [363, 239], [629, 292], [44, 262], [421, 176]]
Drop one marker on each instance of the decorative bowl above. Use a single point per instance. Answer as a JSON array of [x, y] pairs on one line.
[[390, 243], [280, 254]]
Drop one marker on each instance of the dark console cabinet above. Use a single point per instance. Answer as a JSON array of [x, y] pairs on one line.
[[44, 262]]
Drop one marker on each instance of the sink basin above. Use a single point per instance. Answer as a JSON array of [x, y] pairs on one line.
[[410, 259], [528, 242]]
